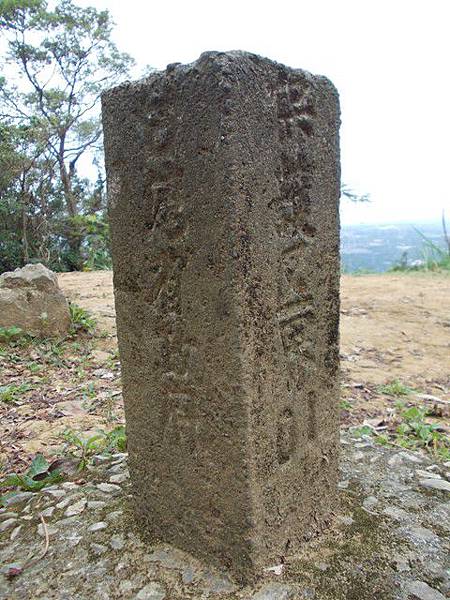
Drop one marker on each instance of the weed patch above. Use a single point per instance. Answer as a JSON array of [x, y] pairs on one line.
[[40, 474], [81, 320]]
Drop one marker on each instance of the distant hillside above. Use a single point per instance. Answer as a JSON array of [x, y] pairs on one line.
[[379, 247]]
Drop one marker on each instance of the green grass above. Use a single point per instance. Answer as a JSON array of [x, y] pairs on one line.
[[395, 388], [434, 258], [81, 320], [8, 334], [12, 392], [413, 431], [83, 449]]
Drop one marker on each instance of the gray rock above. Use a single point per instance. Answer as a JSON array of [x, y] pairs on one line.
[[108, 487], [217, 583], [117, 542], [113, 516], [48, 512], [69, 485], [15, 533], [118, 478], [427, 474], [51, 530], [419, 590], [435, 484], [4, 525], [98, 548], [96, 504], [18, 498], [344, 520], [397, 513], [56, 493], [77, 508], [152, 591], [370, 502], [274, 591], [8, 515], [31, 299], [168, 557], [421, 534], [98, 526]]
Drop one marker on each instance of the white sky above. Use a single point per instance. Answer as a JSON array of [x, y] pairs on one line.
[[389, 60]]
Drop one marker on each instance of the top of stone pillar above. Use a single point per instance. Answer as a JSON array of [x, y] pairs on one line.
[[216, 61]]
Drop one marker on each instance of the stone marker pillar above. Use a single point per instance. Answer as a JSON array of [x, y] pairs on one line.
[[223, 185]]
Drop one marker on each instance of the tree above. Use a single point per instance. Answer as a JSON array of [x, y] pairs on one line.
[[58, 63]]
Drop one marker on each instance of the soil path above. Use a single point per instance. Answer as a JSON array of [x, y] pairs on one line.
[[392, 326]]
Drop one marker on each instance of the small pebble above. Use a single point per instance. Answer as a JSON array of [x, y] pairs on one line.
[[435, 484], [96, 504], [152, 591], [108, 487], [67, 501], [48, 511], [119, 478], [76, 509], [8, 515], [69, 485], [370, 502], [427, 474], [50, 530], [17, 498], [15, 533], [117, 542], [422, 591], [56, 493], [114, 515], [98, 526], [344, 520], [98, 548], [4, 525]]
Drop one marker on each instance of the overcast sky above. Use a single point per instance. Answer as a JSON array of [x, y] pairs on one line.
[[389, 60]]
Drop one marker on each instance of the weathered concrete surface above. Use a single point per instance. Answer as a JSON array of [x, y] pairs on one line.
[[223, 184], [389, 542], [31, 299]]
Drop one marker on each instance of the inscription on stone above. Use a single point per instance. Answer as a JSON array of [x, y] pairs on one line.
[[223, 185]]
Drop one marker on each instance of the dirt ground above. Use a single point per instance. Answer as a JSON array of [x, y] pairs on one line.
[[393, 328]]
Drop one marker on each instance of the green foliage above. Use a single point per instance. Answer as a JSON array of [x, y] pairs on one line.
[[412, 431], [59, 59], [81, 320], [7, 334], [395, 388], [434, 257], [117, 439], [415, 432], [358, 432], [345, 404], [12, 392], [40, 474], [83, 449]]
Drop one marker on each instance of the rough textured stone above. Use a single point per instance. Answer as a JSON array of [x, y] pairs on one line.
[[31, 299], [274, 591], [152, 591], [419, 590], [223, 184], [435, 484]]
